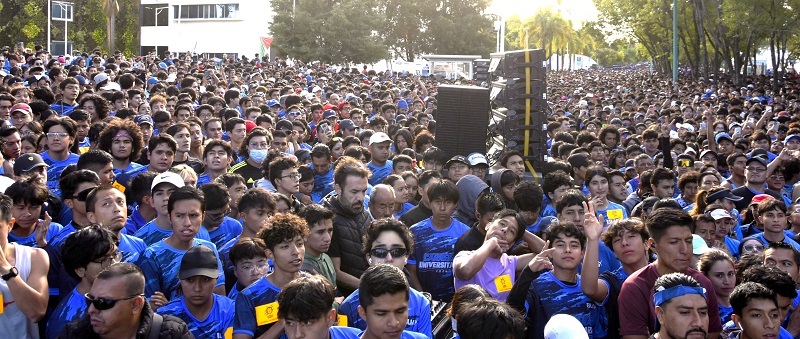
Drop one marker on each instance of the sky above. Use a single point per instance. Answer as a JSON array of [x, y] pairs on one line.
[[575, 10]]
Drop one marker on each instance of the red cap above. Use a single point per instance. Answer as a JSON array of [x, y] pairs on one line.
[[760, 198], [249, 125], [328, 106]]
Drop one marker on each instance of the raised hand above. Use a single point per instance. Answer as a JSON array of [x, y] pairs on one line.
[[41, 230], [592, 226], [543, 260]]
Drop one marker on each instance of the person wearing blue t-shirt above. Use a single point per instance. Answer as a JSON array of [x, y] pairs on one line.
[[723, 222], [388, 241], [384, 303], [141, 209], [431, 262], [60, 134], [29, 197], [159, 228], [556, 285], [772, 215], [218, 156], [323, 172], [123, 139], [70, 88], [160, 261], [257, 205], [628, 238], [84, 253], [76, 187], [304, 308], [571, 209], [105, 205], [554, 185], [208, 315], [257, 304], [380, 165], [220, 227], [597, 181]]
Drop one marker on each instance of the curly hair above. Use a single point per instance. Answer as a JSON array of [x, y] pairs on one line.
[[108, 134], [281, 228]]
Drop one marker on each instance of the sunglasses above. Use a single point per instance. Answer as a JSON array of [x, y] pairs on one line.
[[82, 195], [754, 248], [382, 252], [102, 304]]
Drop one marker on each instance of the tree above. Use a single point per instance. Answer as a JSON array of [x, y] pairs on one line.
[[337, 32], [461, 27]]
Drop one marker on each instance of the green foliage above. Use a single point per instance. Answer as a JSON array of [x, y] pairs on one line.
[[87, 31], [364, 31]]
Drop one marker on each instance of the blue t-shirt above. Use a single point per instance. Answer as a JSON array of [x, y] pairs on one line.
[[30, 240], [549, 296], [55, 169], [203, 179], [125, 177], [548, 211], [764, 241], [433, 256], [135, 222], [733, 248], [131, 247], [323, 184], [340, 332], [606, 259], [359, 334], [132, 167], [62, 109], [150, 233], [62, 235], [406, 207], [70, 308], [725, 313], [379, 173], [213, 326], [617, 210], [419, 313], [229, 228], [260, 295], [160, 263]]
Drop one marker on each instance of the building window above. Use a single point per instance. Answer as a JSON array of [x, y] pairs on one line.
[[219, 11], [155, 15]]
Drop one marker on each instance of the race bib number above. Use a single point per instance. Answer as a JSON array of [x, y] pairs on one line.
[[341, 320], [503, 283], [118, 186], [614, 214], [267, 314]]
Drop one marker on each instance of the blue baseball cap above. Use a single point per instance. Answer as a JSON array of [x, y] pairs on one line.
[[791, 137], [143, 119], [723, 135], [273, 102], [329, 113]]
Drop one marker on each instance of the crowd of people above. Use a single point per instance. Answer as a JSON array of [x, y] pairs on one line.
[[173, 196]]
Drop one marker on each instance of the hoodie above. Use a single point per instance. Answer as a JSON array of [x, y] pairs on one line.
[[470, 187], [497, 188]]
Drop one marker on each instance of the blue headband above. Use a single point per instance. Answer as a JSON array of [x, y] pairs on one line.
[[665, 295]]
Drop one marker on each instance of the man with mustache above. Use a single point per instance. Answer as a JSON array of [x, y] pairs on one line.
[[681, 307]]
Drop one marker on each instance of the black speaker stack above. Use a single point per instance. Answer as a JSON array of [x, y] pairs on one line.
[[461, 117], [518, 118]]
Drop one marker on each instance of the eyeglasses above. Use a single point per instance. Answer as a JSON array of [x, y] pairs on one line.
[[753, 248], [102, 304], [254, 268], [262, 145], [218, 215], [57, 135], [295, 176], [382, 252], [110, 259], [776, 177], [756, 170], [295, 114]]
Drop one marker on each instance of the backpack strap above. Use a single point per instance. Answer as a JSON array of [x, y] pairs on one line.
[[155, 328]]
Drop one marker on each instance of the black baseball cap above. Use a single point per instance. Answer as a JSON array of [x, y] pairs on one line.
[[457, 158], [199, 260], [28, 162]]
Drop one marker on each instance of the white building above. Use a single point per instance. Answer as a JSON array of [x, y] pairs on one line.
[[579, 61], [207, 27]]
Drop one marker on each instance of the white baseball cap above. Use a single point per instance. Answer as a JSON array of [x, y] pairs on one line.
[[378, 138], [167, 177]]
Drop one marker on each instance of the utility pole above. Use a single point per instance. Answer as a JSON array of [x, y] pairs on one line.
[[526, 37]]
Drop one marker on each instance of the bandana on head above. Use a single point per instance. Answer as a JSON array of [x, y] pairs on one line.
[[122, 134], [663, 295]]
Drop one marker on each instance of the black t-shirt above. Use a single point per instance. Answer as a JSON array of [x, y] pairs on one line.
[[194, 163], [416, 214], [748, 195], [249, 172], [469, 241]]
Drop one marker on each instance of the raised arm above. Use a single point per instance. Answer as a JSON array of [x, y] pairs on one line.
[[590, 285]]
